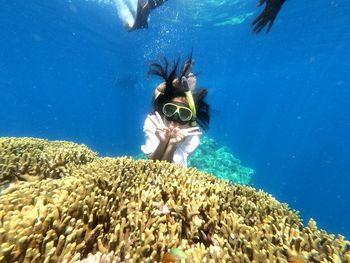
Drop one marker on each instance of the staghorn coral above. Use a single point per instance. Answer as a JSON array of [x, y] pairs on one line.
[[121, 210], [31, 159]]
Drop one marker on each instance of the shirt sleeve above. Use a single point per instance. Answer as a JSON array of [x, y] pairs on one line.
[[190, 144], [185, 150], [151, 139]]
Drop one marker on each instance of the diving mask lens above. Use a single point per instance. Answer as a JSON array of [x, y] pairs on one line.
[[185, 114], [170, 109]]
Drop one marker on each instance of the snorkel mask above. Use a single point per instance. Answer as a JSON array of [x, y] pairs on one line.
[[177, 112]]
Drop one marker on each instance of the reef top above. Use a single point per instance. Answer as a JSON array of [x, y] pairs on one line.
[[78, 206]]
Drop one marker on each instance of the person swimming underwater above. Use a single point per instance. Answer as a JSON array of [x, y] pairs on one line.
[[135, 13], [268, 15]]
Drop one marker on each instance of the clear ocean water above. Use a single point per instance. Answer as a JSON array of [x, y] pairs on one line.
[[69, 71]]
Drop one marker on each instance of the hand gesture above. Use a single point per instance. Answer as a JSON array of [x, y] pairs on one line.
[[268, 16], [178, 135], [162, 131]]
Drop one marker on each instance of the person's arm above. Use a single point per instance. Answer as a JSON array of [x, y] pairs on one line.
[[160, 136], [143, 11], [155, 3], [169, 152], [268, 15], [159, 152]]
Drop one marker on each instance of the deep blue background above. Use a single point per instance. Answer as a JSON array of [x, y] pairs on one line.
[[69, 71]]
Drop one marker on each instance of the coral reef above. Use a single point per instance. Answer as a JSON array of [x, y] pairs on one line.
[[217, 160], [30, 159], [212, 158], [122, 210]]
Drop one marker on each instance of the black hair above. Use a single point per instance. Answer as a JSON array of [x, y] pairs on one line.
[[169, 74]]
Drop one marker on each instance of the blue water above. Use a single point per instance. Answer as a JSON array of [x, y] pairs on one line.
[[69, 71]]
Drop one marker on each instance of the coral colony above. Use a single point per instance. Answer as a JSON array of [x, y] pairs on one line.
[[212, 158], [60, 202]]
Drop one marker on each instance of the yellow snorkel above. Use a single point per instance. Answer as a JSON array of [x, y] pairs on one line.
[[190, 100]]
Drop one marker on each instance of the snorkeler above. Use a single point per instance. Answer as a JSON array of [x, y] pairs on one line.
[[172, 131], [268, 15], [135, 13]]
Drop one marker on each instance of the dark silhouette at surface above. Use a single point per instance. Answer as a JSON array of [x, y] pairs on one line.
[[266, 18], [268, 15], [143, 11]]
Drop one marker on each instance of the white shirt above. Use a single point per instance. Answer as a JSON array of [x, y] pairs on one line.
[[181, 153]]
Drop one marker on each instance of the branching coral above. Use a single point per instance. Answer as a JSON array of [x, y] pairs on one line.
[[121, 210], [218, 160], [30, 159]]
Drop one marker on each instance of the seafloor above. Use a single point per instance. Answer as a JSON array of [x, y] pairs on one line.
[[61, 202]]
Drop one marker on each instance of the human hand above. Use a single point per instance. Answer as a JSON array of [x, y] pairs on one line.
[[268, 15], [162, 131], [178, 135]]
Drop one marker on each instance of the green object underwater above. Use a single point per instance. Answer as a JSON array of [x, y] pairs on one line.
[[178, 253]]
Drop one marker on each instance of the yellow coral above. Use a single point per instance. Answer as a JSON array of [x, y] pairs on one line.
[[136, 211], [31, 159]]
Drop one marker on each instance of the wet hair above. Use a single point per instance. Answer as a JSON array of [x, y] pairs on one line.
[[169, 73]]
